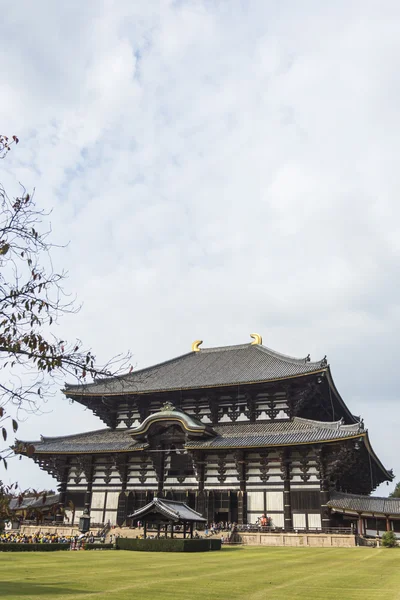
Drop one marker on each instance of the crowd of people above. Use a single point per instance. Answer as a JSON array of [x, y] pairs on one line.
[[76, 542], [213, 528]]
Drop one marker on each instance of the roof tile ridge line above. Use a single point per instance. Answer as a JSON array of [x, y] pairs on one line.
[[118, 377], [64, 437], [350, 495], [328, 424], [228, 348], [287, 357], [192, 509]]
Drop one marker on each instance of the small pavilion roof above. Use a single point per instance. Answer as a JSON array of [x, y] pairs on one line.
[[375, 505], [208, 367], [170, 510]]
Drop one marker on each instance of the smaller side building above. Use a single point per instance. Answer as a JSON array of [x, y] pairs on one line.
[[371, 516]]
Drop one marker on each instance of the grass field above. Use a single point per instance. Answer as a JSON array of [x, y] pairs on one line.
[[233, 573]]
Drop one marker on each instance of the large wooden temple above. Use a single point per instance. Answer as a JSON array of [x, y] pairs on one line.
[[234, 432]]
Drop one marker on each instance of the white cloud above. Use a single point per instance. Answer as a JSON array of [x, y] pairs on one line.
[[218, 168]]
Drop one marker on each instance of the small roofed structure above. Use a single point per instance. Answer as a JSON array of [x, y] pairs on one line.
[[167, 513], [40, 508], [371, 515]]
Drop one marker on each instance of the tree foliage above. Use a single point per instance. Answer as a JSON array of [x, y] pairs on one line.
[[32, 299], [396, 491], [389, 539]]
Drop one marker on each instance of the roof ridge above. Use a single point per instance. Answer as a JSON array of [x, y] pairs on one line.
[[330, 424], [63, 437], [287, 357], [349, 494], [70, 386]]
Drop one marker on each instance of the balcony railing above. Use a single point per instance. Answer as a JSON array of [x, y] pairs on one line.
[[270, 529]]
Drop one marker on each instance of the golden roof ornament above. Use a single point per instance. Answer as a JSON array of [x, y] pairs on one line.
[[167, 407], [257, 339], [195, 345]]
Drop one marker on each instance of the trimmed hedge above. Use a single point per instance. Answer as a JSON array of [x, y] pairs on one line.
[[168, 545], [15, 547], [215, 544]]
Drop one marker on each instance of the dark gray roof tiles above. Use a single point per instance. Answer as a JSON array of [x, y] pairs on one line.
[[176, 511], [261, 434], [210, 367], [102, 440], [34, 502], [365, 504], [297, 431]]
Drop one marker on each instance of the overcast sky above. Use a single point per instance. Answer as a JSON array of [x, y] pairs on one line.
[[219, 168]]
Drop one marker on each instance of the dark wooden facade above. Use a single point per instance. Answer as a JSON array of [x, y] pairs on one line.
[[232, 449]]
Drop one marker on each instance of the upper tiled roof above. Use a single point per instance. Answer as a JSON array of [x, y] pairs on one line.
[[210, 367], [365, 504], [238, 435]]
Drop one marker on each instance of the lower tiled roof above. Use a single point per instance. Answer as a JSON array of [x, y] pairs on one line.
[[275, 433], [365, 504], [237, 435]]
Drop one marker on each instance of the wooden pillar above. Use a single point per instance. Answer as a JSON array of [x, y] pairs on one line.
[[145, 529], [62, 472], [172, 529], [360, 525], [324, 490], [166, 530], [88, 469], [241, 468], [191, 530], [388, 527], [287, 504], [199, 465], [184, 530], [158, 530]]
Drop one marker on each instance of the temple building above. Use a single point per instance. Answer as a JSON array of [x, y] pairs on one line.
[[235, 432]]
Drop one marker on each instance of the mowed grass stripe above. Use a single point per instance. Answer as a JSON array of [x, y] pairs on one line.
[[234, 573]]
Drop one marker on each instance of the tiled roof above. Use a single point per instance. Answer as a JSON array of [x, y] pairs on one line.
[[176, 511], [297, 431], [210, 367], [261, 434], [34, 502], [365, 504], [102, 440]]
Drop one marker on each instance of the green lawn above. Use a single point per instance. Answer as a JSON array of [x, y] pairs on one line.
[[233, 573]]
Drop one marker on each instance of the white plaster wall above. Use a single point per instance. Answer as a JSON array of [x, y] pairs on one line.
[[299, 521], [255, 501], [112, 500], [277, 519], [274, 501], [314, 520], [98, 500], [110, 516]]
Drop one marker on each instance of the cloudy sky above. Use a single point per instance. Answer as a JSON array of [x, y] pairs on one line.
[[218, 168]]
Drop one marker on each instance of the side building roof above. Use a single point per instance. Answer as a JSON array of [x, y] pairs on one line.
[[341, 502], [208, 367]]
